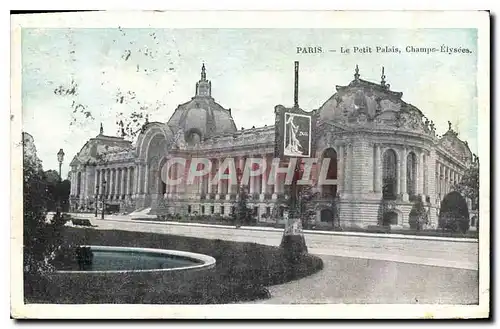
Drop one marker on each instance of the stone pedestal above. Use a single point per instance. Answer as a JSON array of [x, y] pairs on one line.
[[294, 244]]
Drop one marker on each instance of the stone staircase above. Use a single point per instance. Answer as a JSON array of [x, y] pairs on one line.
[[142, 212]]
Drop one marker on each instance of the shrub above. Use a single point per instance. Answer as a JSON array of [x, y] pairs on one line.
[[450, 221], [454, 213], [418, 215]]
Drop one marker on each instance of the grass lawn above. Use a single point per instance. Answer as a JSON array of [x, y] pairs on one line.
[[242, 273]]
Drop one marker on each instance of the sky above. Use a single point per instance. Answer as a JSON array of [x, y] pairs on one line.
[[251, 71]]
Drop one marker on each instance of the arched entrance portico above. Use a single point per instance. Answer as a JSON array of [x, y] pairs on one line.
[[326, 215], [330, 191], [155, 155]]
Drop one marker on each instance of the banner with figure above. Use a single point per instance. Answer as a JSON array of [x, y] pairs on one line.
[[297, 135]]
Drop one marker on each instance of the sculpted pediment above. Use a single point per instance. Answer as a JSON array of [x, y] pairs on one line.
[[451, 143]]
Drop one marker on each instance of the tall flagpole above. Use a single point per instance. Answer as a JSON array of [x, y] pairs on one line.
[[296, 87]]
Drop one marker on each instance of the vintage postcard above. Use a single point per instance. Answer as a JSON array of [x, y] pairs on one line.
[[250, 165]]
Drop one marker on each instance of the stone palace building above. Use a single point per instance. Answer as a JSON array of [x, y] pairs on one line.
[[384, 153]]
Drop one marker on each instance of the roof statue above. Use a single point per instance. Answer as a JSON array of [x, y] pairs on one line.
[[356, 73]]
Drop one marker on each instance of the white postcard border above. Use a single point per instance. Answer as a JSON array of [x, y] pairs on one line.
[[265, 19]]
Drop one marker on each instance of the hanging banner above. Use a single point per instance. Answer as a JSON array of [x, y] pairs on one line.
[[293, 226], [294, 129]]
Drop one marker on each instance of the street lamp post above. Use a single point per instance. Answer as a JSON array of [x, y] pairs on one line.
[[102, 198], [239, 175], [96, 199], [60, 159]]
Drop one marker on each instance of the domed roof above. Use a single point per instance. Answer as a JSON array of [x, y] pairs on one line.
[[362, 96], [202, 114]]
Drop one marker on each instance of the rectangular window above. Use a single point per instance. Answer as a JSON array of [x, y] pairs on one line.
[[268, 211], [233, 209], [212, 209], [222, 210], [189, 209], [255, 211], [203, 210]]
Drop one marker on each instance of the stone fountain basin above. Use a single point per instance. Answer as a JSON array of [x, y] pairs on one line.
[[189, 268], [114, 259]]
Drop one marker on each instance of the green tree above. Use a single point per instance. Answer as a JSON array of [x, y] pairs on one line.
[[454, 213], [307, 210], [418, 215], [242, 214], [42, 237], [468, 187]]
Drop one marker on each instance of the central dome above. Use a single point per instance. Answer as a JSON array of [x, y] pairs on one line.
[[202, 115]]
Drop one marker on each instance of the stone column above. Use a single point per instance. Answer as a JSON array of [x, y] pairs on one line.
[[96, 182], [420, 176], [349, 167], [209, 178], [443, 189], [340, 168], [263, 182], [102, 178], [137, 185], [146, 178], [111, 181], [450, 179], [440, 176], [219, 183], [115, 182], [109, 185], [123, 181], [82, 184], [271, 188], [377, 187], [200, 184], [72, 183], [129, 177], [446, 179], [404, 193], [233, 187]]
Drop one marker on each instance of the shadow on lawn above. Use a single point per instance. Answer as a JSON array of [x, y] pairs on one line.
[[242, 273]]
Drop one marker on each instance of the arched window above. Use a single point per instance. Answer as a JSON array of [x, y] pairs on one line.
[[411, 175], [330, 190], [389, 180], [424, 164]]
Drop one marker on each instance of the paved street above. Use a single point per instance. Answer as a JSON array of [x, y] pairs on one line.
[[463, 255], [357, 269], [346, 280]]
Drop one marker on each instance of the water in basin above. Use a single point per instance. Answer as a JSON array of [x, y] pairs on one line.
[[117, 260]]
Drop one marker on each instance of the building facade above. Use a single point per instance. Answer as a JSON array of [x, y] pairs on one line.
[[384, 153]]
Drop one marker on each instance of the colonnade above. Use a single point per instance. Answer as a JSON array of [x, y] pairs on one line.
[[446, 178], [257, 186]]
